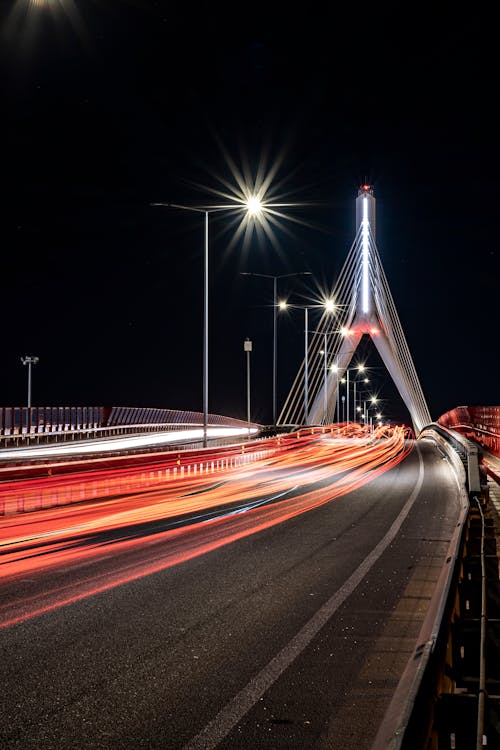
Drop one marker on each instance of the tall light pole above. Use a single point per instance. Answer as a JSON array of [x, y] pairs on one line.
[[359, 368], [275, 278], [29, 360], [247, 347], [253, 207], [329, 306], [355, 382], [366, 405], [335, 368]]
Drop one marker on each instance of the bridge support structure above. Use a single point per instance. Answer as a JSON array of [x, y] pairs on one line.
[[363, 306]]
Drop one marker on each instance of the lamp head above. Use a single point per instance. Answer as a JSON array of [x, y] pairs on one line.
[[254, 206]]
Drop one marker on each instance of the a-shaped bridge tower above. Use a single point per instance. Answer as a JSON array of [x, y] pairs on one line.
[[363, 305]]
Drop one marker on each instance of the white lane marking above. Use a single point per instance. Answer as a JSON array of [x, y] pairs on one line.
[[218, 729]]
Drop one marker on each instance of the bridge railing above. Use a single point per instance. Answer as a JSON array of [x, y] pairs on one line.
[[479, 423]]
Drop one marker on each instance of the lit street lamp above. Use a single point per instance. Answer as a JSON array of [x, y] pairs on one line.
[[275, 278], [359, 368], [329, 306], [373, 401], [29, 360], [253, 208], [355, 382]]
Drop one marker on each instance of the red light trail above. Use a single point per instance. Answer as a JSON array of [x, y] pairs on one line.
[[145, 523]]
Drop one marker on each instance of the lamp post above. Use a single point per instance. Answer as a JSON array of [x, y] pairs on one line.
[[29, 360], [275, 278], [367, 404], [362, 404], [355, 382], [252, 207], [247, 347], [329, 306], [335, 368], [359, 368]]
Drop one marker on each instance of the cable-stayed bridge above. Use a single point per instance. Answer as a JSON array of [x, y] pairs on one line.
[[363, 307], [327, 586]]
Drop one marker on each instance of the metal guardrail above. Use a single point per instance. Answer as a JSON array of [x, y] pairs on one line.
[[452, 704], [46, 424], [480, 423]]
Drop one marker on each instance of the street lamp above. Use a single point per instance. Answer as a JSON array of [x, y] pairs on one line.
[[329, 306], [366, 405], [253, 208], [355, 382], [29, 360], [335, 368], [359, 368], [275, 278], [325, 364]]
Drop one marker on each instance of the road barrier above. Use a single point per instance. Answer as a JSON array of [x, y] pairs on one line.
[[479, 423], [449, 695], [22, 425]]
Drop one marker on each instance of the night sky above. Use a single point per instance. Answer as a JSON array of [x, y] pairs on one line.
[[108, 107]]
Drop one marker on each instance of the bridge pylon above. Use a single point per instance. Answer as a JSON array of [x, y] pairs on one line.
[[364, 306]]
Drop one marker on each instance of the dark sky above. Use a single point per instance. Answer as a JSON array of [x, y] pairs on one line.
[[110, 106]]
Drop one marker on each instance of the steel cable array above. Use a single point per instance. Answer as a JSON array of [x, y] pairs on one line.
[[343, 332]]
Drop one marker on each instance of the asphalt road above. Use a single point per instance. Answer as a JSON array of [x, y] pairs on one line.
[[292, 637]]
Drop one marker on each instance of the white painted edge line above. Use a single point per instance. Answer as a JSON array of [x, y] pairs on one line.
[[222, 724]]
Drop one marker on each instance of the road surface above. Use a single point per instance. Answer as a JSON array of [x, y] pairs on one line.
[[275, 617]]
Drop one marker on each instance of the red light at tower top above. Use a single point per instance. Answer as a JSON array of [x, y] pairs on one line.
[[366, 189]]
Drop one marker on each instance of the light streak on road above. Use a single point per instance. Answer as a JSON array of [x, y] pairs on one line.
[[147, 525], [128, 442]]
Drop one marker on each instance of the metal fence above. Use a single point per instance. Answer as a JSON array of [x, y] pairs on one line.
[[23, 420], [16, 421]]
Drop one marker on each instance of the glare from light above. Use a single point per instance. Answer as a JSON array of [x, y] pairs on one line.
[[329, 305], [254, 205], [344, 331], [283, 304], [255, 198], [374, 399], [334, 368], [361, 368], [22, 21]]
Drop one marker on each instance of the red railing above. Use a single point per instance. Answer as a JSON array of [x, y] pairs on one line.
[[479, 423]]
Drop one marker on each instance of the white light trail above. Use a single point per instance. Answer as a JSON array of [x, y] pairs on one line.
[[123, 443]]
